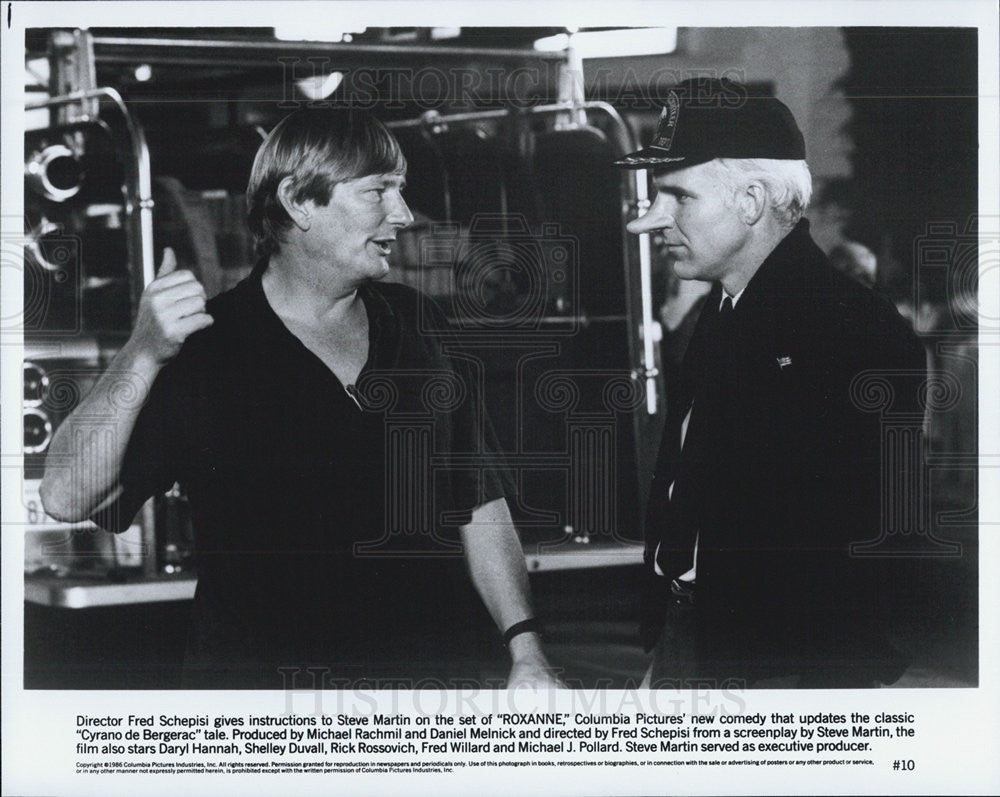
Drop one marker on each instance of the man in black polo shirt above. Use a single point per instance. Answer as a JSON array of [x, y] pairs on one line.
[[334, 449]]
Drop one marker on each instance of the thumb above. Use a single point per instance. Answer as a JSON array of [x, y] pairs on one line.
[[168, 263]]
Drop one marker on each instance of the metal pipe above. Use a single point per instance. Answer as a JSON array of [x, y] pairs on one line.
[[500, 113], [651, 331], [433, 118], [140, 206], [168, 49], [637, 195]]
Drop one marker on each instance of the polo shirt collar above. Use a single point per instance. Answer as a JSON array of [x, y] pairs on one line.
[[379, 309]]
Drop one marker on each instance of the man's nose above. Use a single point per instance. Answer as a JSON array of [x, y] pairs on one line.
[[399, 213], [658, 217]]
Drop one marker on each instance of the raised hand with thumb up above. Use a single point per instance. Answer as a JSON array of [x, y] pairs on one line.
[[172, 308]]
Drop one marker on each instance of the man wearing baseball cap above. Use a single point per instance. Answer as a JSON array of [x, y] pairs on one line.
[[771, 471]]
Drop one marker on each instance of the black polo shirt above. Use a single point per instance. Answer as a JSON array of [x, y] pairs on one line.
[[326, 516]]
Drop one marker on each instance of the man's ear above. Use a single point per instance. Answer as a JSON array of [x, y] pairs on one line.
[[299, 212], [753, 202]]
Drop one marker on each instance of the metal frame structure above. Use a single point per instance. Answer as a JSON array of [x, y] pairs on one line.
[[636, 200], [139, 183]]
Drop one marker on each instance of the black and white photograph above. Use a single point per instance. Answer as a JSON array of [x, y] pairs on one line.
[[562, 394]]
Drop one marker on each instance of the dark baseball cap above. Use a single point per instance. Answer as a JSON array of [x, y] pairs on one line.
[[708, 118]]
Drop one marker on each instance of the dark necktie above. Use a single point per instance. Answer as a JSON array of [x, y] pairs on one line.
[[718, 337], [722, 336], [701, 446]]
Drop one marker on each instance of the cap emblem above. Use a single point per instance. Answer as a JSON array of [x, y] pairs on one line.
[[667, 126]]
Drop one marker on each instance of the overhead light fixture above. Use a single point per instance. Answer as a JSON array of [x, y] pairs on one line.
[[319, 87], [309, 30], [612, 43], [553, 44]]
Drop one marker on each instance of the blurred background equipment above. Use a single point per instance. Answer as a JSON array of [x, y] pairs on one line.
[[55, 172]]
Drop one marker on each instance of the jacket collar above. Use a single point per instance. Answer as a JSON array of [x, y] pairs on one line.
[[782, 274]]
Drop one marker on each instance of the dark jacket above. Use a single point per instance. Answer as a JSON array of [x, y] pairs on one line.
[[782, 467]]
